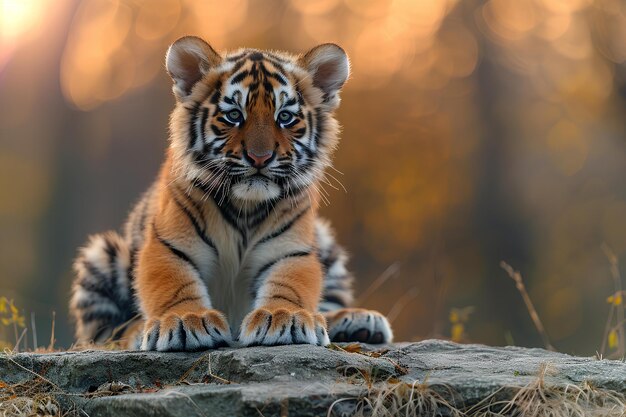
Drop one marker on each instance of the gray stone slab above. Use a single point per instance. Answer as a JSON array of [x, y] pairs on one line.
[[297, 380]]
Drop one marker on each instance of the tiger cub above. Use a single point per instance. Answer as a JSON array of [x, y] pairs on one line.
[[226, 247]]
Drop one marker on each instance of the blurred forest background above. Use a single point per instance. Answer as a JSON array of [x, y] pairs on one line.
[[474, 131]]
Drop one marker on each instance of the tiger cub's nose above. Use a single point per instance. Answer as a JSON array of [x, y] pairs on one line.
[[259, 160]]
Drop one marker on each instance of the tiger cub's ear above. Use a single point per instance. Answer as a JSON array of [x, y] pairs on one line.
[[187, 61], [329, 66]]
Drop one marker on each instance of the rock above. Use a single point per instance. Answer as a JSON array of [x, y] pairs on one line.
[[302, 380]]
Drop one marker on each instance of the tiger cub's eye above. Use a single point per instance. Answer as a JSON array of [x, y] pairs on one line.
[[285, 117], [234, 116]]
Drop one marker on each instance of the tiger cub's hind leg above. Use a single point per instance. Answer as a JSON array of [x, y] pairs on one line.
[[102, 302], [345, 324], [358, 325]]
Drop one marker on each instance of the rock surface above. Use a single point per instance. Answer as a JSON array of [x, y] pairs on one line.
[[295, 380]]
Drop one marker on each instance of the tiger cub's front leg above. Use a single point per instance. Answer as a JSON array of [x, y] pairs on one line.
[[286, 304], [174, 300]]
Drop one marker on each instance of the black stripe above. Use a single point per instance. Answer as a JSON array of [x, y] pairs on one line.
[[192, 126], [111, 250], [277, 63], [319, 126], [293, 329], [285, 227], [288, 286], [327, 298], [218, 148], [277, 76], [131, 266], [199, 230], [239, 77], [282, 297], [177, 302], [216, 131], [238, 56], [258, 216], [269, 88], [268, 324], [181, 288], [329, 257], [83, 304], [335, 286], [226, 213], [238, 66], [177, 252], [91, 268], [205, 116], [182, 334], [153, 336], [224, 208], [225, 121], [101, 286], [217, 94], [294, 122], [215, 98], [300, 132], [270, 264], [191, 201]]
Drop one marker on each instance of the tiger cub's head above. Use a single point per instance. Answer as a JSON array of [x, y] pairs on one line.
[[254, 125]]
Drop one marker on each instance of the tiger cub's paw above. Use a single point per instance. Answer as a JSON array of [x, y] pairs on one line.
[[188, 332], [358, 325], [283, 327]]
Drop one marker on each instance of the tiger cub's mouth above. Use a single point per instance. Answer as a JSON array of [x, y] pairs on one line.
[[256, 186], [259, 176]]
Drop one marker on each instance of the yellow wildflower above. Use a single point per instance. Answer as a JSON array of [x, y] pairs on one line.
[[616, 299], [457, 332], [613, 343], [11, 313]]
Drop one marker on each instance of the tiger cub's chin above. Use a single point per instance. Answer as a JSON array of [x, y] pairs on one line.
[[211, 254], [256, 189]]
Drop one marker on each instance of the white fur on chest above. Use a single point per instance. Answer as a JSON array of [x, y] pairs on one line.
[[228, 284], [229, 280]]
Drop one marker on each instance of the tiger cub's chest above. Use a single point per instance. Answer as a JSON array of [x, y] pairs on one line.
[[228, 283], [235, 269]]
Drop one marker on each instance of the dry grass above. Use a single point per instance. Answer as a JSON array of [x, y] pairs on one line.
[[614, 337], [538, 399], [519, 284], [41, 405], [394, 397], [35, 397]]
